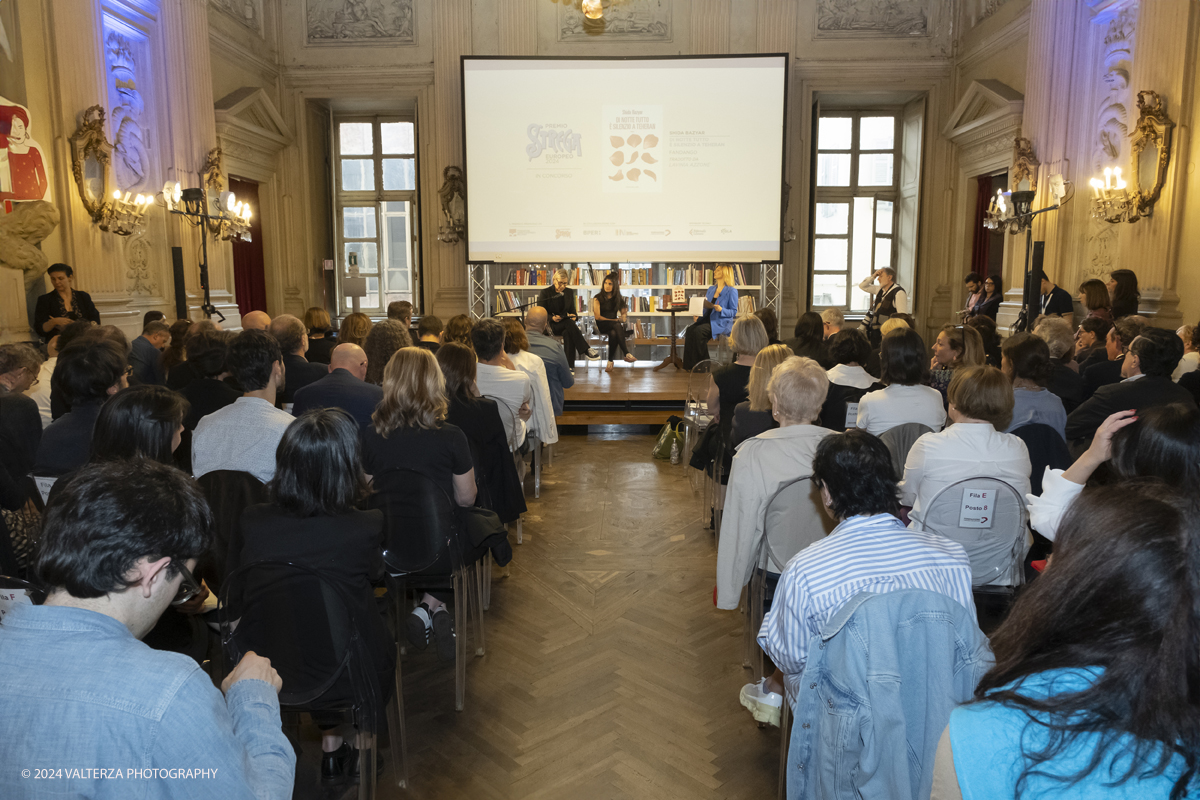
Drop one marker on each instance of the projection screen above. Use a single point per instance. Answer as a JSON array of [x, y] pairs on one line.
[[624, 159]]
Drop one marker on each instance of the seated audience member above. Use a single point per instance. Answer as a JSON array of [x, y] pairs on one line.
[[509, 386], [808, 339], [1065, 380], [1055, 300], [293, 343], [1116, 345], [848, 350], [458, 329], [320, 335], [146, 355], [429, 333], [479, 418], [981, 406], [256, 321], [559, 374], [1026, 362], [89, 371], [988, 334], [183, 373], [208, 357], [1087, 695], [401, 311], [119, 544], [151, 316], [993, 295], [20, 419], [956, 346], [730, 385], [354, 329], [59, 404], [1191, 357], [1123, 290], [516, 346], [832, 320], [244, 435], [765, 464], [409, 432], [174, 357], [39, 390], [770, 322], [1146, 382], [754, 416], [1090, 342], [975, 294], [384, 341], [1093, 296], [904, 398], [312, 522], [870, 550], [345, 387], [1162, 443]]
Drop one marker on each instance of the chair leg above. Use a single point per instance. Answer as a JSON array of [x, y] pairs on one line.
[[366, 769], [487, 581], [520, 533], [784, 741], [397, 732], [537, 471], [747, 636], [476, 589], [460, 641]]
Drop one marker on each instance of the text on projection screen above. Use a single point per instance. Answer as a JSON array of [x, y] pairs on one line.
[[624, 160]]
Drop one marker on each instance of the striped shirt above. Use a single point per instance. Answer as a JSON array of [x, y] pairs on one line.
[[863, 554]]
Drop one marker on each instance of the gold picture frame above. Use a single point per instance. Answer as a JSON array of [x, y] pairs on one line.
[[91, 154], [1150, 151]]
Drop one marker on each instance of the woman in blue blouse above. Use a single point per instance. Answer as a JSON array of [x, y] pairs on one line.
[[720, 307], [1093, 693]]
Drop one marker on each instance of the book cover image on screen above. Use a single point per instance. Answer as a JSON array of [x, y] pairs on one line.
[[573, 160]]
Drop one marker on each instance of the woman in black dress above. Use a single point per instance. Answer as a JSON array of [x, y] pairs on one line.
[[609, 309], [754, 416], [58, 309], [320, 338], [479, 418], [312, 522]]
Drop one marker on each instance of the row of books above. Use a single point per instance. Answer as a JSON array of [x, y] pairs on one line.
[[630, 276]]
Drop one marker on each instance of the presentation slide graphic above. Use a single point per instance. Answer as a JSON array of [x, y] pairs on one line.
[[624, 159]]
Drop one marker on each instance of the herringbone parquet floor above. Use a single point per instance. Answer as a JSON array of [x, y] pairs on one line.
[[609, 672]]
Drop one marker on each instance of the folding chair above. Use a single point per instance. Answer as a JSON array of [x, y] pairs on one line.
[[900, 439]]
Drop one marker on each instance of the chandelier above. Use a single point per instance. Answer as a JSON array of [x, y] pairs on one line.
[[225, 217]]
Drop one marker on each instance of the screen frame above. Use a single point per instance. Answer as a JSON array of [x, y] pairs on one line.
[[462, 98]]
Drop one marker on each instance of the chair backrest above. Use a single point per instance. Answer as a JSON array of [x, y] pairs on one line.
[[1046, 449], [509, 416], [229, 493], [697, 392], [899, 441], [421, 521], [299, 620], [987, 516], [841, 406], [793, 519]]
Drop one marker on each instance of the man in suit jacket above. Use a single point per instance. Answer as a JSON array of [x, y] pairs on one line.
[[146, 354], [344, 387], [558, 371], [299, 372], [1146, 370], [1116, 344]]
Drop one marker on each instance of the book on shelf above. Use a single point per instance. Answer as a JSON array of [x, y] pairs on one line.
[[700, 276], [746, 304]]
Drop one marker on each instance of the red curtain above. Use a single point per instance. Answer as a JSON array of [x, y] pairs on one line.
[[249, 270], [983, 239]]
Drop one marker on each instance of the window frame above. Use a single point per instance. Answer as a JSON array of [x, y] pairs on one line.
[[847, 195], [375, 199]]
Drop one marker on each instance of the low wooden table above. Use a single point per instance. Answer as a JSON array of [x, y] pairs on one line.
[[673, 358]]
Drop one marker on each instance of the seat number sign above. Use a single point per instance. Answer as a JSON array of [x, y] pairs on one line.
[[978, 507]]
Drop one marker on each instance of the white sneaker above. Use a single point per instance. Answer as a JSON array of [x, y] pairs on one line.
[[765, 706], [593, 353]]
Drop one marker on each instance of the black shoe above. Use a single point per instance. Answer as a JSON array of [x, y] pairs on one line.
[[418, 627], [335, 766], [443, 632], [354, 771]]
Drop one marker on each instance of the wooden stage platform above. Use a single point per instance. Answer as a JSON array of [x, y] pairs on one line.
[[632, 394]]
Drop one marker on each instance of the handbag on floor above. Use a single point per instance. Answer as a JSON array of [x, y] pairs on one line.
[[669, 434]]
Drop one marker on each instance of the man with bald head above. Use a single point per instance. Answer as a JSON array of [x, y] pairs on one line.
[[256, 321], [344, 387], [292, 336], [558, 369]]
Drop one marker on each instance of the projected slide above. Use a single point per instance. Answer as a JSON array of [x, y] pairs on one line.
[[624, 159]]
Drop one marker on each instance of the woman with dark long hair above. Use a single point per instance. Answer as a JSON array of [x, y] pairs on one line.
[[312, 522], [809, 339], [173, 356], [1093, 693], [988, 304], [609, 309], [1123, 289], [140, 422]]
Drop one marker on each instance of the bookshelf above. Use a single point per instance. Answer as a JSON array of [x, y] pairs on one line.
[[646, 286]]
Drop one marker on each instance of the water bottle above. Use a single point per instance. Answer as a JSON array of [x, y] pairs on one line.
[[675, 457]]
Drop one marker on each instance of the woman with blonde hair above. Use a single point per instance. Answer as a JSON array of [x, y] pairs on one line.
[[355, 328], [956, 346], [386, 338], [730, 384], [409, 432], [752, 417], [720, 309], [320, 341]]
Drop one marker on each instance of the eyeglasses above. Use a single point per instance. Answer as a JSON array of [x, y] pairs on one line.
[[188, 589]]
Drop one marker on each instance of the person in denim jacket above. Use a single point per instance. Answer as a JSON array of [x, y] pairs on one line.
[[877, 692], [93, 712]]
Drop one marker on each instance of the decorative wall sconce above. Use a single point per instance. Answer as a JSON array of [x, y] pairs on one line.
[[1150, 154], [219, 211], [453, 198], [121, 213], [1012, 211]]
